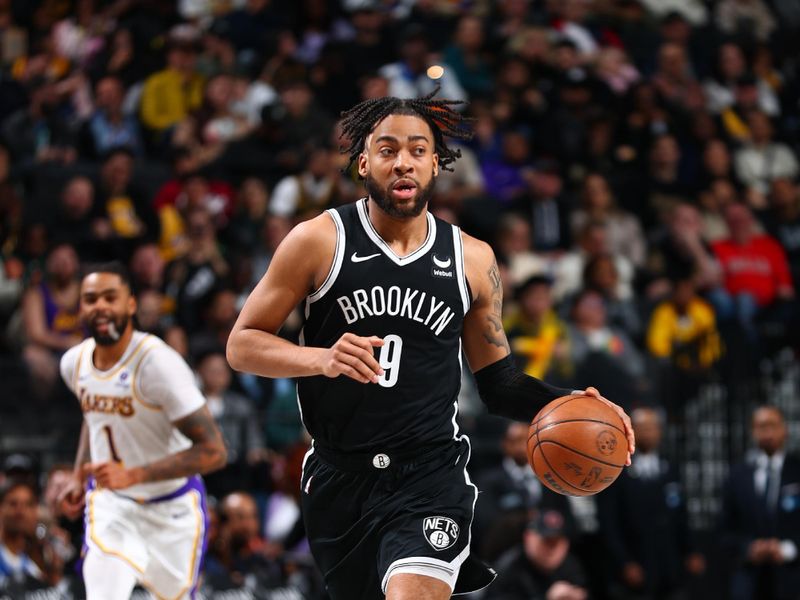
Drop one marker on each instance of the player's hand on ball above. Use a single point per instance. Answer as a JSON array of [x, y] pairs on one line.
[[352, 355], [591, 391], [112, 475], [71, 498]]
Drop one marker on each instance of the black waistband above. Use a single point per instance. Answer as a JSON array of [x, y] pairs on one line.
[[382, 461]]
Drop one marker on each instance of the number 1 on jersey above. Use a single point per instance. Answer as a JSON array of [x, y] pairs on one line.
[[389, 360], [112, 448]]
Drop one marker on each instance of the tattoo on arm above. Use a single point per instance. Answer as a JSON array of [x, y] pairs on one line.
[[206, 454], [494, 333]]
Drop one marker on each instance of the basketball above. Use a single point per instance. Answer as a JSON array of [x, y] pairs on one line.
[[577, 445]]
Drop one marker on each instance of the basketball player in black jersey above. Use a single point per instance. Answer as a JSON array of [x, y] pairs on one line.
[[392, 295]]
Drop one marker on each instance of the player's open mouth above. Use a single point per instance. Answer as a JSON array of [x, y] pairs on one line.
[[404, 189]]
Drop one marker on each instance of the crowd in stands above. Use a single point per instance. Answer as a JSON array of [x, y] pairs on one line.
[[634, 166]]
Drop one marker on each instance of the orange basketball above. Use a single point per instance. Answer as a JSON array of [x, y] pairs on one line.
[[577, 445]]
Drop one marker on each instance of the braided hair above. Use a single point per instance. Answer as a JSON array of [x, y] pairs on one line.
[[359, 121]]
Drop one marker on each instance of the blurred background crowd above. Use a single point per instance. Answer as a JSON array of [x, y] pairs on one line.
[[634, 166]]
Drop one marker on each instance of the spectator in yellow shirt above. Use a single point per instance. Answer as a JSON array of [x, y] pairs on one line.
[[172, 93], [536, 334]]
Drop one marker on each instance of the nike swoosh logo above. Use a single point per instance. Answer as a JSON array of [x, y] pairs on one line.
[[442, 264], [357, 259]]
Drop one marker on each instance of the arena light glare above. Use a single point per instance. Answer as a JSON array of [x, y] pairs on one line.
[[435, 71]]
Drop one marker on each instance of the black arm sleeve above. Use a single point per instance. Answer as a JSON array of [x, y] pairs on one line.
[[510, 393]]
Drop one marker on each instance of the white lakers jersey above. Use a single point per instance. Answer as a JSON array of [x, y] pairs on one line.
[[129, 409]]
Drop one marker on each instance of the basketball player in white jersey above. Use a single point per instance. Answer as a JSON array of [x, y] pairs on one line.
[[147, 436]]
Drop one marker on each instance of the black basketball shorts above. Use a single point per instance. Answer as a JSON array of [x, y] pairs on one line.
[[370, 517]]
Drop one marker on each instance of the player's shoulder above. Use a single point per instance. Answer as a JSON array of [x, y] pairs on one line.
[[313, 234], [70, 357], [153, 350], [476, 251]]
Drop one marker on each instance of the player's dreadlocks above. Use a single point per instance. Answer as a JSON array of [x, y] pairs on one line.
[[359, 121]]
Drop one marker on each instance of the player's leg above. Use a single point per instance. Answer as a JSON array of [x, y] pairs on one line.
[[177, 532], [425, 548], [410, 586], [107, 577]]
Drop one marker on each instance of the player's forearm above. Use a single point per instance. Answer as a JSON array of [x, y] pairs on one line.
[[199, 459], [510, 393], [267, 355]]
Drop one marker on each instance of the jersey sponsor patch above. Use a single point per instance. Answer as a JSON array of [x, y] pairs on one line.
[[442, 267], [441, 532]]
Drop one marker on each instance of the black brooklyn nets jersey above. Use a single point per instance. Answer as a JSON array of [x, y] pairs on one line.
[[416, 304]]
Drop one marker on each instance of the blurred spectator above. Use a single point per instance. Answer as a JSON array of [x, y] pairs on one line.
[[17, 537], [755, 271], [602, 353], [546, 204], [50, 318], [683, 330], [745, 19], [171, 94], [759, 524], [310, 192], [541, 567], [717, 163], [537, 336], [675, 81], [192, 279], [592, 241], [240, 553], [782, 221], [273, 230], [712, 203], [505, 175], [625, 235], [731, 66], [645, 521], [35, 133], [665, 185], [217, 121], [123, 204], [110, 127], [467, 57], [411, 77], [194, 190], [614, 68], [78, 221], [678, 251], [119, 59], [147, 269], [151, 316], [238, 423], [762, 160], [600, 274], [513, 243], [80, 36], [252, 208], [218, 319], [508, 495], [457, 189]]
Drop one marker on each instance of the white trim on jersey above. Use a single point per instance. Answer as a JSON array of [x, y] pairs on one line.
[[361, 205], [338, 256], [461, 273]]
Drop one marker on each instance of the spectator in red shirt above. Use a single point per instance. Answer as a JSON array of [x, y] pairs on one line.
[[754, 269]]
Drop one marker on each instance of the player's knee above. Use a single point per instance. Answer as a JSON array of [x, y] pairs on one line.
[[410, 586]]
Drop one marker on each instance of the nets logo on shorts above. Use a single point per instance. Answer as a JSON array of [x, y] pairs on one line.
[[441, 532]]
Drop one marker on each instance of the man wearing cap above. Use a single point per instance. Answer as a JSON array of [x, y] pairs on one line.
[[541, 567]]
